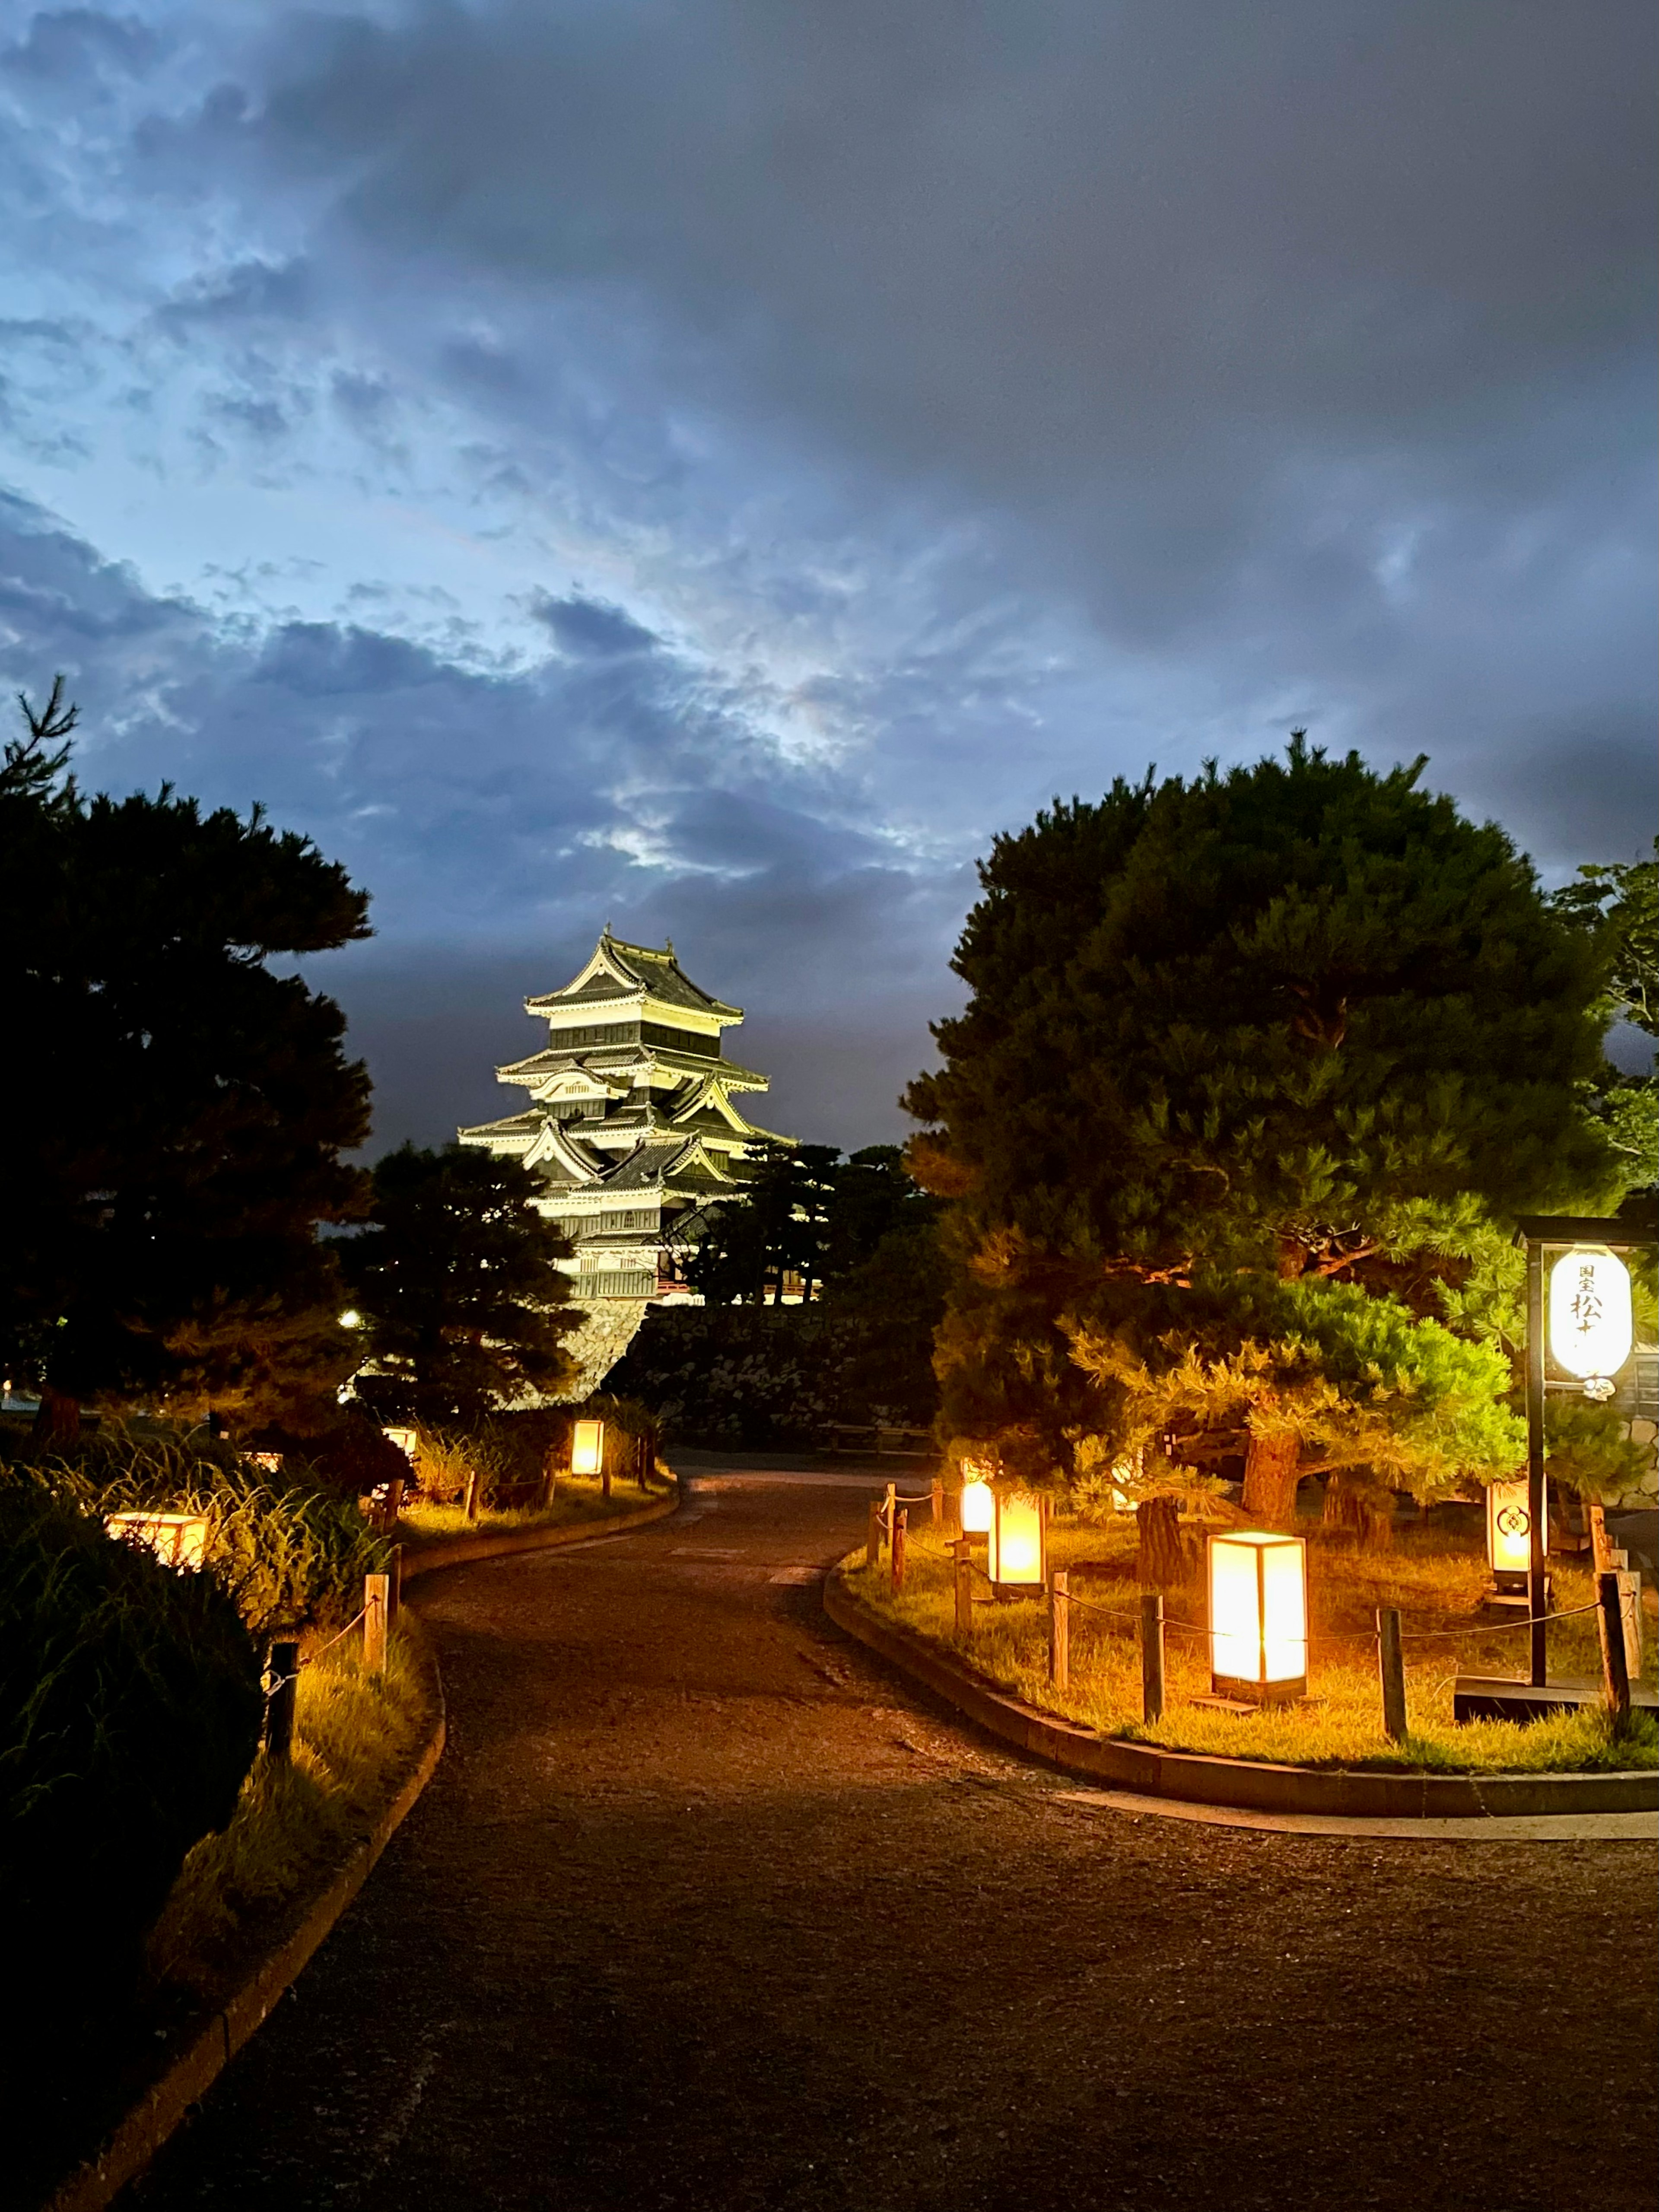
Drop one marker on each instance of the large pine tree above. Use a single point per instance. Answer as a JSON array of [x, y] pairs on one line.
[[1256, 1072], [176, 1111]]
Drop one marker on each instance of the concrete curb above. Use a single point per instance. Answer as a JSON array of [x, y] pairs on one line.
[[148, 2123], [1248, 1786], [462, 1551]]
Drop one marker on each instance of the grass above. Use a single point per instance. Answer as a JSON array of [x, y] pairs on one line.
[[1434, 1579], [574, 1500], [355, 1737]]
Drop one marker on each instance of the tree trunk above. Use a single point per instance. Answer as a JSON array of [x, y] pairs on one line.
[[1161, 1561], [1270, 1482], [58, 1421], [1352, 1508]]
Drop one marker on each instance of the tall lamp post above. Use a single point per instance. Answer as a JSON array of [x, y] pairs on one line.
[[1589, 1339]]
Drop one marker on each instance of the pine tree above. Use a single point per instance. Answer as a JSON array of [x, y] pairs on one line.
[[1256, 1071], [462, 1308], [174, 1117]]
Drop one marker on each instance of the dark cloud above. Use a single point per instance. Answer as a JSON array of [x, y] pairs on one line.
[[588, 626]]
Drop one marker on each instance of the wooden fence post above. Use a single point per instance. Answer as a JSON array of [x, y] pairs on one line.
[[473, 1494], [1615, 1673], [394, 1502], [1391, 1668], [964, 1553], [604, 1470], [642, 1454], [889, 1509], [279, 1706], [901, 1523], [375, 1588], [1060, 1628], [1630, 1600], [872, 1537], [1151, 1656], [936, 1500]]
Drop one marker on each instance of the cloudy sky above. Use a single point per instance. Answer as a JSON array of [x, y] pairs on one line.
[[707, 465]]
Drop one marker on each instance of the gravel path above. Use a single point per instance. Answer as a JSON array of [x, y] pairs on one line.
[[702, 1911]]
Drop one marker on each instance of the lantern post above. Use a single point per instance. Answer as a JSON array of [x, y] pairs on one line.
[[1608, 1235]]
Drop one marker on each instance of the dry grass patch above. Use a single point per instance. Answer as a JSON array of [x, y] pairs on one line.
[[575, 1499]]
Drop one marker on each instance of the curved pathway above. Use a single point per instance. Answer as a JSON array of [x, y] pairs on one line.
[[702, 1911]]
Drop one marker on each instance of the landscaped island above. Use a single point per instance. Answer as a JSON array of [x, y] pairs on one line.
[[1432, 1572]]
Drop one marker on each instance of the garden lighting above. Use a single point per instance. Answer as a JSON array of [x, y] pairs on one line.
[[978, 1507], [178, 1539], [1509, 1533], [587, 1448], [1258, 1616], [405, 1439], [1018, 1558], [1590, 1319]]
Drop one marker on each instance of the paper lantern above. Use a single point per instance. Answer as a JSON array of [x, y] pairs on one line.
[[587, 1448], [1258, 1616], [407, 1440], [978, 1507], [1017, 1555], [1590, 1319], [178, 1539], [1509, 1533]]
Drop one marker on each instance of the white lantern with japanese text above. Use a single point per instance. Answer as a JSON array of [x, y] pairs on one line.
[[1018, 1553], [1509, 1533], [1590, 1319], [587, 1448], [1258, 1616]]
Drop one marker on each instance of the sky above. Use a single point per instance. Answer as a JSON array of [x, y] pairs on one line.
[[708, 467]]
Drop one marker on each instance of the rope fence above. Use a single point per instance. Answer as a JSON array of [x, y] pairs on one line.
[[285, 1665], [889, 1529]]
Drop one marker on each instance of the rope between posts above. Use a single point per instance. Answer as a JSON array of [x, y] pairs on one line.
[[333, 1640]]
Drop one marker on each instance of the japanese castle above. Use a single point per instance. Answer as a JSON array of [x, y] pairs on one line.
[[631, 1123]]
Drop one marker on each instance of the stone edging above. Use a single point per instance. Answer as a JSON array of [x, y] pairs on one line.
[[1250, 1786], [148, 2123], [461, 1550]]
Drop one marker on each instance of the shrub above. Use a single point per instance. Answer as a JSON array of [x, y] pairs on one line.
[[290, 1549], [129, 1712]]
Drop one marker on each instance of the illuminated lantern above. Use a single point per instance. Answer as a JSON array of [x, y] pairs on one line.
[[405, 1439], [1018, 1558], [1258, 1616], [1591, 1321], [978, 1507], [587, 1448], [178, 1539], [267, 1463], [351, 1318], [1509, 1533]]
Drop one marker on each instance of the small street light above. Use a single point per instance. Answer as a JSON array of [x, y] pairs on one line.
[[1509, 1534], [1258, 1616], [978, 1506], [1018, 1558], [587, 1448]]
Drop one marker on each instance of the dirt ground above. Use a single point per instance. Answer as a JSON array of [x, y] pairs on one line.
[[704, 1911]]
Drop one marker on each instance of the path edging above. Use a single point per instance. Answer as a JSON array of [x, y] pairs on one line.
[[153, 2118], [1247, 1785], [462, 1551]]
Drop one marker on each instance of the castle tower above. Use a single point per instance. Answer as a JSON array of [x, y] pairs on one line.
[[629, 1124]]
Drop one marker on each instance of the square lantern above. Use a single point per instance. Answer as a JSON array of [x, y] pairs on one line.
[[1018, 1558], [1258, 1616], [407, 1440], [587, 1448], [978, 1504], [1509, 1533], [178, 1539]]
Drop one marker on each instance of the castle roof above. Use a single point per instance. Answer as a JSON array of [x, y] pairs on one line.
[[621, 971]]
